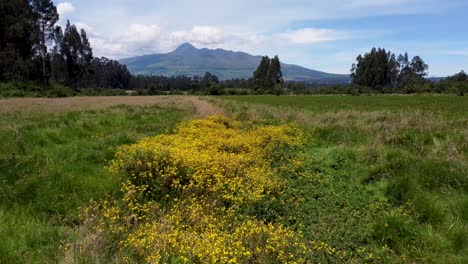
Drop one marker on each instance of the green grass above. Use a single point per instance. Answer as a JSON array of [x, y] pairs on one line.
[[51, 165], [452, 105], [383, 175], [387, 175]]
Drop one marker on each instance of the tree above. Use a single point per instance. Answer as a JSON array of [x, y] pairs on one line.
[[274, 77], [26, 32], [419, 67], [58, 60], [268, 74], [209, 80], [261, 73], [77, 53], [86, 54], [376, 69], [384, 72], [16, 25], [411, 73], [457, 83], [46, 16], [459, 77]]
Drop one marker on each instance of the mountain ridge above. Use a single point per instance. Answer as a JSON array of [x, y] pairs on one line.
[[189, 60]]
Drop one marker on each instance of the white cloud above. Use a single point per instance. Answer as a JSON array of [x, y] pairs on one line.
[[65, 8], [90, 31], [201, 35], [312, 35], [140, 39], [144, 26], [139, 33]]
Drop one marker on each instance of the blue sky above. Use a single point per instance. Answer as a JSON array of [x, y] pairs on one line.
[[322, 35]]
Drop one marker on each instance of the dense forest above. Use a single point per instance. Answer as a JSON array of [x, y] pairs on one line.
[[35, 49], [40, 58]]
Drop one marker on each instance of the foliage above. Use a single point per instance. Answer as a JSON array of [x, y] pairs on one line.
[[387, 175], [191, 196], [268, 74], [381, 179], [32, 89], [28, 30], [16, 40], [51, 163], [380, 69], [76, 54], [46, 16], [457, 84]]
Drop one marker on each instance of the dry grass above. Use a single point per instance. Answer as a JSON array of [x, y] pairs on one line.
[[201, 107], [380, 127], [60, 105]]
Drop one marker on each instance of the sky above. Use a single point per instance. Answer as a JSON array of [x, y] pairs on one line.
[[325, 35]]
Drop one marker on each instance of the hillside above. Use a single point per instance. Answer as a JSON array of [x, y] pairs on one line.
[[188, 60]]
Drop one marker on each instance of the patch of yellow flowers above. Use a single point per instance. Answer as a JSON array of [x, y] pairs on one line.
[[188, 196]]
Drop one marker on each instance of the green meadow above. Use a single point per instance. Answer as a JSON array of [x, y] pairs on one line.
[[386, 177], [53, 164], [391, 172]]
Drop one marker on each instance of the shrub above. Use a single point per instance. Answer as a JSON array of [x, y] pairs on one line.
[[191, 196]]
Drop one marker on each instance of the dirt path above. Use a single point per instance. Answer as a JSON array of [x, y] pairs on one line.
[[200, 107], [203, 108]]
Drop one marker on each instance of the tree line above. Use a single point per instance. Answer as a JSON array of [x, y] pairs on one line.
[[384, 72], [37, 54], [266, 79], [34, 48]]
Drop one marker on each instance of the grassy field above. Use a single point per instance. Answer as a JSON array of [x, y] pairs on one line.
[[390, 171], [447, 105], [52, 159], [382, 178]]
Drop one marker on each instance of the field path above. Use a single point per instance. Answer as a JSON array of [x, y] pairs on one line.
[[200, 107], [203, 108]]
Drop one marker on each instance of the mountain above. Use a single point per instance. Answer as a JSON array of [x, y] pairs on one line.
[[188, 60]]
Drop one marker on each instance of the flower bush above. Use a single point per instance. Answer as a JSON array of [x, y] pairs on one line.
[[212, 157], [189, 197]]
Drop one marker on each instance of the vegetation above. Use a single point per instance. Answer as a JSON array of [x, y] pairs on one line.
[[39, 58], [28, 29], [445, 105], [382, 71], [306, 178], [268, 77], [52, 161], [196, 196], [388, 176], [234, 179]]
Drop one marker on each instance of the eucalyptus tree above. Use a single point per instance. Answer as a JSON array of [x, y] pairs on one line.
[[46, 16]]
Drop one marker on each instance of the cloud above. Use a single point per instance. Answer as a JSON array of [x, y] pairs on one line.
[[139, 33], [313, 35], [65, 8], [90, 31], [140, 39], [201, 35]]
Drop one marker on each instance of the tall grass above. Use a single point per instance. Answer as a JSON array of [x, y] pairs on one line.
[[51, 164], [382, 178], [389, 173]]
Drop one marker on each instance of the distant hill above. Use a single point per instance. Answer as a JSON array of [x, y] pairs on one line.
[[188, 60]]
